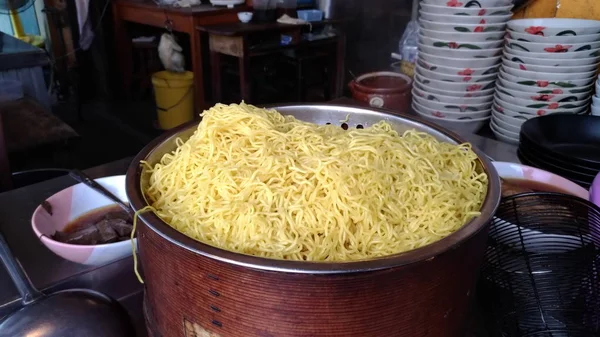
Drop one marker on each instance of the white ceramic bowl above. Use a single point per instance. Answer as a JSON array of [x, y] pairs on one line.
[[552, 47], [549, 69], [431, 96], [466, 11], [474, 20], [447, 44], [245, 17], [456, 36], [556, 56], [463, 125], [515, 122], [460, 53], [549, 61], [597, 86], [542, 87], [502, 137], [68, 205], [539, 80], [462, 27], [454, 78], [503, 131], [586, 77], [450, 115], [465, 87], [555, 95], [595, 110], [462, 108], [437, 68], [446, 92], [555, 26], [497, 109], [530, 103], [567, 39], [506, 126], [534, 111], [459, 62], [461, 3]]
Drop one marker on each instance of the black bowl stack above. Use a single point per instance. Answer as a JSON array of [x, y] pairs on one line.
[[567, 145]]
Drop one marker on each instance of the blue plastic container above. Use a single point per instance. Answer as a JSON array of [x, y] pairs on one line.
[[310, 15]]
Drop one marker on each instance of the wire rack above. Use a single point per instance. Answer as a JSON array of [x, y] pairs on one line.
[[541, 272]]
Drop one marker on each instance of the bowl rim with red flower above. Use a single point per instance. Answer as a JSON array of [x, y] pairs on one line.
[[555, 26], [586, 54], [451, 36], [454, 78], [451, 44], [448, 114], [534, 111], [549, 69], [509, 118], [463, 3], [551, 62], [536, 75], [461, 62], [460, 94], [457, 71], [453, 86], [496, 108], [450, 106], [540, 90], [480, 20], [542, 81], [551, 47], [553, 39], [555, 94], [460, 53], [467, 11], [462, 27], [530, 103], [505, 125], [452, 99]]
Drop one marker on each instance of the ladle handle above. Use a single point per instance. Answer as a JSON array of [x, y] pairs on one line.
[[87, 180], [28, 292]]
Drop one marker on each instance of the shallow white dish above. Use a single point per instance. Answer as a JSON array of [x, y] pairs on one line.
[[460, 53], [551, 47], [542, 87], [554, 95], [68, 205], [466, 11], [474, 20], [435, 97], [515, 122], [501, 137], [550, 62], [548, 69], [462, 27], [446, 92], [506, 126], [556, 56], [553, 39], [463, 125], [457, 36], [533, 111], [454, 78], [459, 62], [447, 106], [459, 45], [450, 115], [497, 109], [537, 80], [437, 68], [461, 3], [530, 103], [555, 26], [586, 77], [451, 86], [507, 133]]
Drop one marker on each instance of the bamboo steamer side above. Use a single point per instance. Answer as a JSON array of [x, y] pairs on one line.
[[189, 295]]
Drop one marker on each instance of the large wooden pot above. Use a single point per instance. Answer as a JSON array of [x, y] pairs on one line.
[[193, 289]]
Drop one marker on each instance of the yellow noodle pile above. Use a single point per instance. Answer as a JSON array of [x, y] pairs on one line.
[[253, 181]]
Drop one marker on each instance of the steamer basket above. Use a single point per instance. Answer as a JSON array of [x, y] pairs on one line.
[[193, 289]]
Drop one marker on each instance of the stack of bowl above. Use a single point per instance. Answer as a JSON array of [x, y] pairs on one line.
[[460, 45], [549, 66], [596, 99]]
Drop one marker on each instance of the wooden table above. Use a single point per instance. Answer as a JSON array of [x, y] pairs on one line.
[[233, 39], [183, 20]]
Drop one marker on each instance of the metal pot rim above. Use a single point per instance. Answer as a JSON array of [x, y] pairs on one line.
[[426, 253]]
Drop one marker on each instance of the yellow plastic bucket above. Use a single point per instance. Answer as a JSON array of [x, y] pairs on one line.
[[174, 95]]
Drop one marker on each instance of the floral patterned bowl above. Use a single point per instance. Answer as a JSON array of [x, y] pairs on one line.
[[473, 20], [460, 62], [455, 78], [466, 125], [457, 36], [551, 47], [430, 96], [551, 95], [469, 3], [497, 109], [458, 71], [555, 27], [452, 86], [460, 53], [514, 121], [504, 125], [587, 77], [505, 132], [530, 103], [462, 27], [447, 92], [542, 87], [553, 39], [447, 44], [454, 107], [451, 115], [534, 111], [557, 56], [548, 69], [545, 61], [466, 11]]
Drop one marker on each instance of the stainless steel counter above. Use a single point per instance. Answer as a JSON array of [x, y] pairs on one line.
[[50, 272]]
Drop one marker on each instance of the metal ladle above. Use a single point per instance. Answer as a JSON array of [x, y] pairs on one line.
[[76, 312]]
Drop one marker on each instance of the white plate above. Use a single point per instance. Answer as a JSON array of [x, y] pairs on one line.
[[557, 56], [553, 39], [460, 62], [459, 45], [461, 107], [466, 11], [555, 26], [549, 69], [554, 95], [466, 126], [442, 69], [471, 4], [474, 20], [462, 27], [551, 48], [541, 89], [454, 78], [457, 36], [435, 97], [586, 77], [538, 79], [502, 137], [446, 92]]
